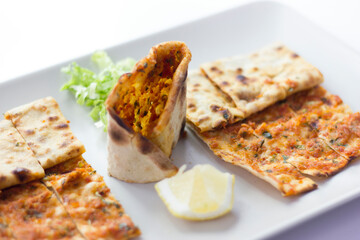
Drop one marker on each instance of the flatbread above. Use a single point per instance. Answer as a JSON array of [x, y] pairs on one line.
[[31, 211], [300, 145], [343, 135], [237, 144], [311, 131], [333, 120], [17, 161], [207, 106], [5, 231], [147, 115], [258, 80], [46, 131], [87, 199]]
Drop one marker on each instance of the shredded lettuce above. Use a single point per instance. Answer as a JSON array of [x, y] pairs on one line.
[[91, 89]]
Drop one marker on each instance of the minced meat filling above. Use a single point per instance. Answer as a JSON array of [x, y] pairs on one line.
[[142, 103]]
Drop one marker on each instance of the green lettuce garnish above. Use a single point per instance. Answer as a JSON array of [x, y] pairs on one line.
[[91, 89]]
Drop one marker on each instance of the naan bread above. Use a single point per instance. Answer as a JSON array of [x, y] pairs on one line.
[[46, 131], [258, 80], [207, 106], [17, 162], [147, 114]]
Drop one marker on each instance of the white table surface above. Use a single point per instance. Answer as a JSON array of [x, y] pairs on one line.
[[37, 34]]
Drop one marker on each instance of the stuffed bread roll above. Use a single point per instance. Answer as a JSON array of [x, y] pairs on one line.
[[147, 114]]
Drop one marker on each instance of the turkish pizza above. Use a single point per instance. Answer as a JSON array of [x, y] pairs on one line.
[[312, 133], [32, 211], [61, 196], [89, 202]]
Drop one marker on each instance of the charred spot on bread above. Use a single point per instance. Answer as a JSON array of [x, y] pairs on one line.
[[163, 165], [119, 121], [2, 178], [22, 174], [29, 132], [182, 94], [247, 96], [214, 108], [242, 79], [53, 118], [62, 126], [191, 105], [215, 69], [144, 145], [117, 136]]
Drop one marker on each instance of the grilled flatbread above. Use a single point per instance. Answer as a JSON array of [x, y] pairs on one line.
[[89, 202], [207, 106], [147, 114], [258, 80], [17, 161], [46, 131]]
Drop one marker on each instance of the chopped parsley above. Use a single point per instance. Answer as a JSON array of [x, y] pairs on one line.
[[267, 135], [285, 158], [301, 147]]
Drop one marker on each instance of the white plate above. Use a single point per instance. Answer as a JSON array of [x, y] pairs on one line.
[[259, 210]]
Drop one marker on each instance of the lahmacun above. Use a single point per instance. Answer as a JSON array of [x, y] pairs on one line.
[[311, 132]]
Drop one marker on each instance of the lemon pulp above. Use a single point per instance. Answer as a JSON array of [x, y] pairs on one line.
[[198, 194]]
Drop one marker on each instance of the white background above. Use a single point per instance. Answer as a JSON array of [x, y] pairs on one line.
[[38, 34]]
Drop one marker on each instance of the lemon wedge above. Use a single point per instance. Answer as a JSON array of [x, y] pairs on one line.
[[201, 193]]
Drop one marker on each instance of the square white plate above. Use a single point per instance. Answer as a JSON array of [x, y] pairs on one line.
[[259, 210]]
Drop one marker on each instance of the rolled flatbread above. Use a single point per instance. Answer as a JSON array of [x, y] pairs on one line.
[[147, 114]]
